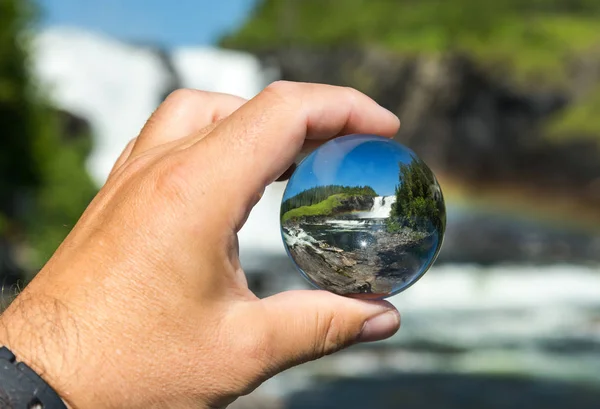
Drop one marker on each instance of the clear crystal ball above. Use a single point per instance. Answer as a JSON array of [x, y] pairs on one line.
[[363, 216]]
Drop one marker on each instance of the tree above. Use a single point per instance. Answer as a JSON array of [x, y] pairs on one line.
[[533, 40], [419, 204], [317, 194], [428, 23], [44, 186]]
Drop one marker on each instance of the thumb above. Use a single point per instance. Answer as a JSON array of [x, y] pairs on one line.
[[301, 326]]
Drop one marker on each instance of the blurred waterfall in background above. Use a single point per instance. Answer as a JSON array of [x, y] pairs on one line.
[[507, 318]]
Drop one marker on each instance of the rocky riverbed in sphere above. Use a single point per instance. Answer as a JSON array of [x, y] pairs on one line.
[[363, 216]]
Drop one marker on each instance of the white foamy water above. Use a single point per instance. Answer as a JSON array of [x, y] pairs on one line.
[[298, 237], [472, 306], [382, 208], [346, 225], [535, 321], [116, 87], [512, 286], [111, 84], [345, 222]]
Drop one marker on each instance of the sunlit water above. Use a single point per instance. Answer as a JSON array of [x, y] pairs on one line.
[[347, 236], [540, 322]]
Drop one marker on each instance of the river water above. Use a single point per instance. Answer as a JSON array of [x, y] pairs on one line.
[[348, 235], [529, 322], [461, 324]]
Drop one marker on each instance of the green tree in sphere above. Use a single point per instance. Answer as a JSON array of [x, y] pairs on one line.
[[418, 205]]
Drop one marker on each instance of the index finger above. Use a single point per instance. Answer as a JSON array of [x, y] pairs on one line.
[[256, 144]]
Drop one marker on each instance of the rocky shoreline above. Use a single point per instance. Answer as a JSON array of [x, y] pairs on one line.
[[367, 272]]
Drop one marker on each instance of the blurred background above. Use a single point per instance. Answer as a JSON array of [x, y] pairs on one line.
[[500, 98]]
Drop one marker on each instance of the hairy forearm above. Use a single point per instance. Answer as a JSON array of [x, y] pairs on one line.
[[43, 334]]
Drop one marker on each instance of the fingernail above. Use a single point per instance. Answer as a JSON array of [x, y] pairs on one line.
[[380, 327]]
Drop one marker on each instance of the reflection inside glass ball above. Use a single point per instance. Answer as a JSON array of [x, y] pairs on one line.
[[363, 216]]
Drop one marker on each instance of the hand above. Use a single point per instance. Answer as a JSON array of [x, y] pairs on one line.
[[145, 303]]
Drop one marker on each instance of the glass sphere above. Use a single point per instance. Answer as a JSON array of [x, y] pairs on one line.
[[363, 216]]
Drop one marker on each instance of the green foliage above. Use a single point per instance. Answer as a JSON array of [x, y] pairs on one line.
[[324, 208], [530, 37], [581, 120], [65, 189], [533, 41], [18, 169], [44, 186], [418, 203], [317, 194], [394, 225]]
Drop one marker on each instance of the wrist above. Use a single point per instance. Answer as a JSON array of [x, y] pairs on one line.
[[42, 334], [20, 386], [79, 352]]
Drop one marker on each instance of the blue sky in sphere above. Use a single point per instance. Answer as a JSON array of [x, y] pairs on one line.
[[167, 23], [374, 164]]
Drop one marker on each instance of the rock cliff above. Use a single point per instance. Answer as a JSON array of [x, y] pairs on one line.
[[465, 122], [487, 139]]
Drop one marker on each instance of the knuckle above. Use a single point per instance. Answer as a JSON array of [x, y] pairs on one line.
[[170, 177], [281, 86], [183, 96], [352, 93], [135, 165], [334, 336], [130, 144], [284, 91]]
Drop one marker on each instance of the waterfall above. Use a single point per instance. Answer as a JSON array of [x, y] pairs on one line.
[[381, 209], [115, 86]]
